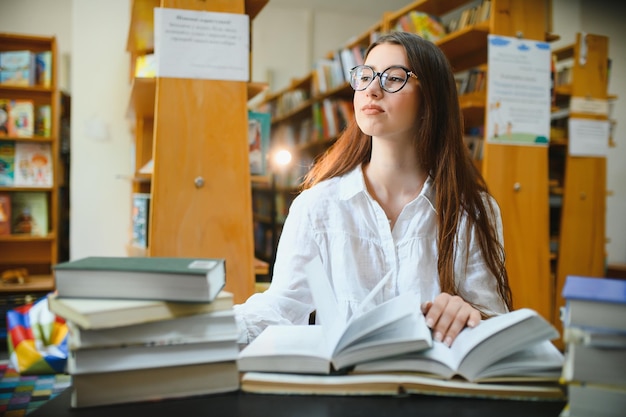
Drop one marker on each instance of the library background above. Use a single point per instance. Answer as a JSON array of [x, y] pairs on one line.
[[553, 200]]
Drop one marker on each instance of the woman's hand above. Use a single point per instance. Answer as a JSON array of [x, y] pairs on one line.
[[447, 315]]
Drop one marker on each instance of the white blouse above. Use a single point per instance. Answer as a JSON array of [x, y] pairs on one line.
[[338, 221]]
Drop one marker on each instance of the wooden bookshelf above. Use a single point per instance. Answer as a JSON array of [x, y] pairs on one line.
[[199, 187], [580, 219], [36, 253]]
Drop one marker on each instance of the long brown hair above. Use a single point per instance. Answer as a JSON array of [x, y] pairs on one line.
[[439, 145]]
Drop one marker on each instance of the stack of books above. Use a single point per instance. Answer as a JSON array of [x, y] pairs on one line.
[[144, 329], [594, 332]]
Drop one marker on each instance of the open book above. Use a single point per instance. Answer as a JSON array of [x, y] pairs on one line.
[[512, 346], [392, 328]]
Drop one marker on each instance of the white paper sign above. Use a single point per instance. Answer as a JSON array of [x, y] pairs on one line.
[[588, 137], [518, 91], [589, 105], [201, 45]]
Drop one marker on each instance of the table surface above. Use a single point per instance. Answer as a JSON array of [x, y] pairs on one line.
[[252, 405]]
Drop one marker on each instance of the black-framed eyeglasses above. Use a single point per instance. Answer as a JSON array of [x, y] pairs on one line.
[[391, 80]]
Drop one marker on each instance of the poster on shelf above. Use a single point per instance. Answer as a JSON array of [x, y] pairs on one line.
[[201, 45], [518, 100], [588, 137]]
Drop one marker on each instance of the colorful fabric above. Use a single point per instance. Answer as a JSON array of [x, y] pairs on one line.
[[37, 339], [20, 394]]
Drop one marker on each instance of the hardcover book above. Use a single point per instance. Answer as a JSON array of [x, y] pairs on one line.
[[139, 220], [29, 213], [155, 383], [151, 278], [43, 69], [4, 116], [103, 313], [597, 400], [7, 163], [206, 327], [21, 118], [17, 68], [594, 364], [5, 213], [394, 385], [134, 357], [43, 120], [258, 141], [33, 164], [595, 302]]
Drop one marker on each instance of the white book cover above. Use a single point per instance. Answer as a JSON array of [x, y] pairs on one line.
[[33, 165]]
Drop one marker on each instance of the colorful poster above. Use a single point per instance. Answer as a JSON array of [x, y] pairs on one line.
[[518, 99]]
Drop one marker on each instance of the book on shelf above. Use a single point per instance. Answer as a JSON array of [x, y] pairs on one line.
[[139, 219], [124, 358], [33, 164], [94, 313], [512, 346], [151, 278], [29, 213], [594, 302], [258, 141], [7, 163], [425, 25], [392, 327], [21, 118], [347, 60], [43, 120], [43, 69], [392, 384], [17, 68], [4, 116], [5, 213], [153, 384], [205, 327]]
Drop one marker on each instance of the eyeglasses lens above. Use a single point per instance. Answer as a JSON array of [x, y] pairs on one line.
[[391, 80]]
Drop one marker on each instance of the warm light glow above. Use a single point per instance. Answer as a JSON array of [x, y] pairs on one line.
[[282, 158]]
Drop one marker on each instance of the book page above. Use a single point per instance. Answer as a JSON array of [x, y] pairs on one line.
[[501, 336], [327, 309], [379, 317], [540, 360], [470, 338], [287, 348]]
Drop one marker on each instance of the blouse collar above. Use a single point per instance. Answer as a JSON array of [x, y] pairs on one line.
[[353, 183]]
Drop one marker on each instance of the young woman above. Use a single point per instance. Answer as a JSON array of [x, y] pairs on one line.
[[397, 198]]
